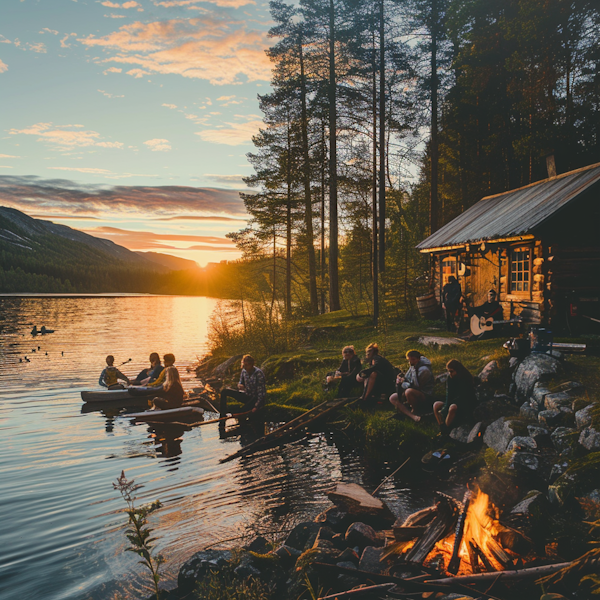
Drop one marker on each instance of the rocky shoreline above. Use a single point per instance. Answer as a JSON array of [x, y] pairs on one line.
[[534, 449]]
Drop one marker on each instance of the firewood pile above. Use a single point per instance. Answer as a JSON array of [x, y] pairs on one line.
[[452, 547]]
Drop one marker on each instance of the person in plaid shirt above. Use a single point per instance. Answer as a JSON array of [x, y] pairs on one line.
[[252, 390]]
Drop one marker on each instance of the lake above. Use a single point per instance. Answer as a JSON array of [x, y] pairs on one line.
[[62, 534]]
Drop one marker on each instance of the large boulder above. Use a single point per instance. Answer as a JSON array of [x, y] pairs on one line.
[[535, 368], [362, 535], [303, 535], [355, 500], [583, 417], [498, 434], [488, 371], [519, 443], [590, 439], [226, 367], [562, 438], [199, 565], [550, 418]]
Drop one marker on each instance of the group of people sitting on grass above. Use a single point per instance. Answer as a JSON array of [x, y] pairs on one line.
[[162, 380], [410, 393]]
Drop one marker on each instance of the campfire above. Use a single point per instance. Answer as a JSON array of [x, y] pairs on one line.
[[460, 538], [476, 545]]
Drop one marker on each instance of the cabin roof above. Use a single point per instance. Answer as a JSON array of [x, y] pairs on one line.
[[513, 213]]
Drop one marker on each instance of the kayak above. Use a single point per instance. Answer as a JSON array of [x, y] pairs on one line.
[[171, 414], [130, 394]]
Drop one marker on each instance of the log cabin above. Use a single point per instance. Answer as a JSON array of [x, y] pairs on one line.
[[538, 246]]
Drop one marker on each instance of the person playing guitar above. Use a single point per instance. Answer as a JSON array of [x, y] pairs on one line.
[[483, 317]]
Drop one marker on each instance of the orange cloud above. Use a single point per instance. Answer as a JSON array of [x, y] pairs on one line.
[[234, 135], [157, 145], [190, 3], [3, 67], [65, 137], [147, 240], [217, 50]]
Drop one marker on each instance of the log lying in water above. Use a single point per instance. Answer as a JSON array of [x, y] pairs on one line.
[[293, 427]]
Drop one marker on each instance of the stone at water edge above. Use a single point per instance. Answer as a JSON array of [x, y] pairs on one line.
[[519, 443], [498, 435], [259, 544], [355, 500], [246, 569], [488, 371], [335, 518], [370, 560], [362, 535], [583, 417], [303, 535], [590, 439], [535, 368], [199, 565], [287, 555]]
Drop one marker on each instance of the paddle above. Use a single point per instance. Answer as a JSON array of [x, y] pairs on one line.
[[200, 423], [124, 363]]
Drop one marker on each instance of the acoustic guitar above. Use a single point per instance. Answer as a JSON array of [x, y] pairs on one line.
[[481, 324]]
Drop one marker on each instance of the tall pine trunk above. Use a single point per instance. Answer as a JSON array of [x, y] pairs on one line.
[[334, 290], [308, 215], [433, 201], [382, 140], [375, 254], [288, 227], [323, 261]]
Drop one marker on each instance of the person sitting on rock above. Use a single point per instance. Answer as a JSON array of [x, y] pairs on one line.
[[460, 398], [346, 373], [415, 388], [252, 389], [378, 378]]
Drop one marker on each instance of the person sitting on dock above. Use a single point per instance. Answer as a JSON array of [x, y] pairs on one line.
[[346, 373], [171, 393], [34, 331], [146, 376], [415, 388], [110, 376], [460, 398], [252, 390], [378, 378], [169, 360]]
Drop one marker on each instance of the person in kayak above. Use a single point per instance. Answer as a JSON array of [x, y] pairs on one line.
[[170, 394], [110, 376], [252, 389], [146, 376], [169, 360]]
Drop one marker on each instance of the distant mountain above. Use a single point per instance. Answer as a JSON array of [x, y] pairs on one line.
[[42, 257], [33, 228], [171, 262]]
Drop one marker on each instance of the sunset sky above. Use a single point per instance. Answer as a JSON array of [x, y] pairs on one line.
[[131, 119]]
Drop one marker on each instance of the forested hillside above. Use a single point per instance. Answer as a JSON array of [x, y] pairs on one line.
[[34, 259], [388, 118]]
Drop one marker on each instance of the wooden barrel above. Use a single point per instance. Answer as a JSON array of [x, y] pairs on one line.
[[429, 307]]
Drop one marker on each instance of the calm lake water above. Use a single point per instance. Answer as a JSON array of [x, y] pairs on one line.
[[62, 525]]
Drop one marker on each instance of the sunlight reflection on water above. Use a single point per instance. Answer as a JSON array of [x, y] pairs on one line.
[[62, 534]]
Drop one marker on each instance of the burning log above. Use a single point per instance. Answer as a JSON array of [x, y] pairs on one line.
[[454, 564], [516, 575], [404, 534], [481, 555], [442, 523], [473, 558]]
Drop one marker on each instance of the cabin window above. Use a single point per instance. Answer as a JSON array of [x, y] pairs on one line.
[[520, 271], [448, 268]]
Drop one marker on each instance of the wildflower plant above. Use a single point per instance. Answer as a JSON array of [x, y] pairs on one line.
[[138, 533]]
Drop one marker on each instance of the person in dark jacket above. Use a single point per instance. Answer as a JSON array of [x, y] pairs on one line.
[[346, 373], [150, 375], [170, 393], [460, 398], [379, 379], [452, 299]]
